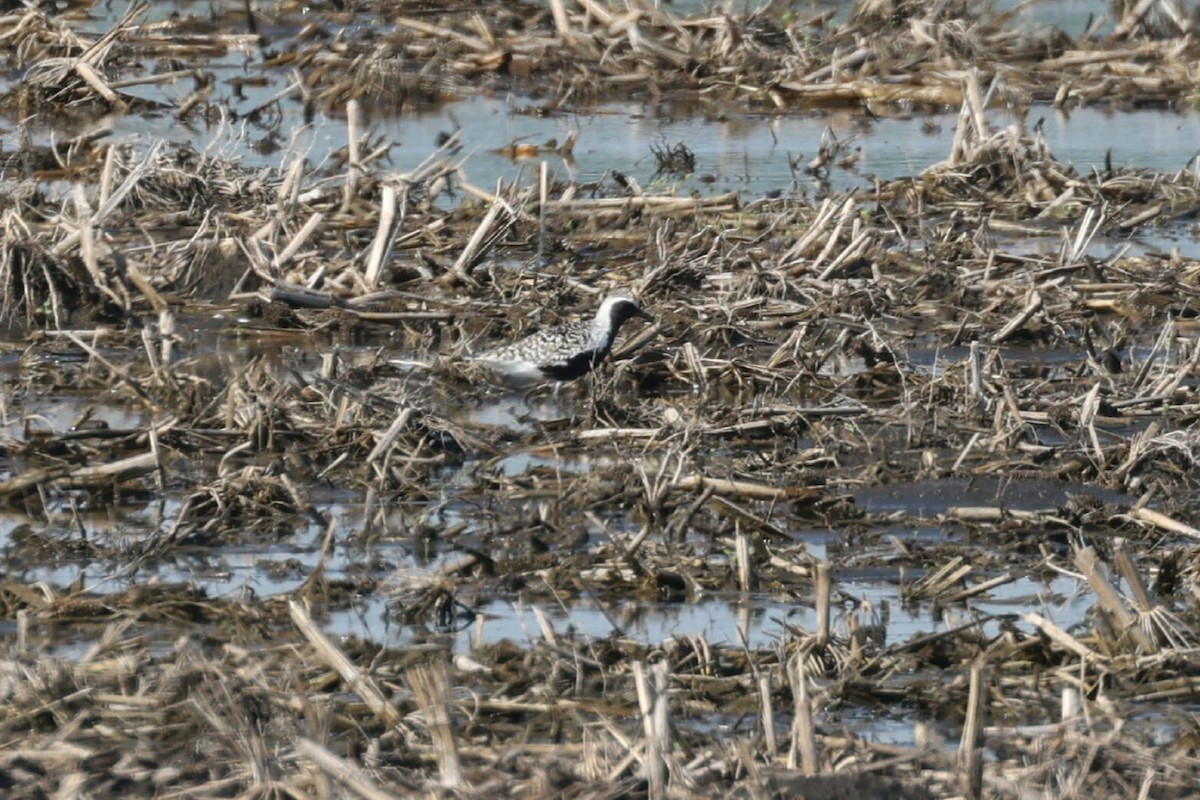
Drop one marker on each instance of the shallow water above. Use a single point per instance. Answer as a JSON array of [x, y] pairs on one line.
[[753, 154], [934, 497], [1070, 16]]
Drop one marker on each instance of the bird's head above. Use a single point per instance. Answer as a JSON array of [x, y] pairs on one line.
[[618, 308]]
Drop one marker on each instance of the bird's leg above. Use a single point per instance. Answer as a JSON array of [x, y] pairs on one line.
[[530, 395], [596, 381]]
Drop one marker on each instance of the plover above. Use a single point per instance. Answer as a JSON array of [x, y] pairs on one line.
[[564, 352]]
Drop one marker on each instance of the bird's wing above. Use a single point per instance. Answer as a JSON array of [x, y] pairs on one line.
[[548, 346]]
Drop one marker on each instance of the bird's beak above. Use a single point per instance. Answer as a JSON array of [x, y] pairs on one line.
[[644, 315]]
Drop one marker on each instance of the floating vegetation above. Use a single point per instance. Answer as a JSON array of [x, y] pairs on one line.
[[677, 160], [210, 367]]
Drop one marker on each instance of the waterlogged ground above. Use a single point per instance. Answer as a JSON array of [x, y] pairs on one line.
[[876, 560], [943, 351], [280, 566]]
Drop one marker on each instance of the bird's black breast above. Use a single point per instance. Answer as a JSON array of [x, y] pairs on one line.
[[574, 367]]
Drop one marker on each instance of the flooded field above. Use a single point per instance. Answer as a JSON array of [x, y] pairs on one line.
[[895, 496]]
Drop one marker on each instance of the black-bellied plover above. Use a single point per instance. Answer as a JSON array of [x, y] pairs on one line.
[[564, 352]]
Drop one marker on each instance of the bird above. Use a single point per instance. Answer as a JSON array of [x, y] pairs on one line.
[[564, 352]]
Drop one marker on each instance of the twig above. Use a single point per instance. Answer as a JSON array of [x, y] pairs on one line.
[[345, 773], [358, 682], [430, 683], [970, 748]]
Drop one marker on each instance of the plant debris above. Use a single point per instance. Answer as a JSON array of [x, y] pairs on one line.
[[206, 362]]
